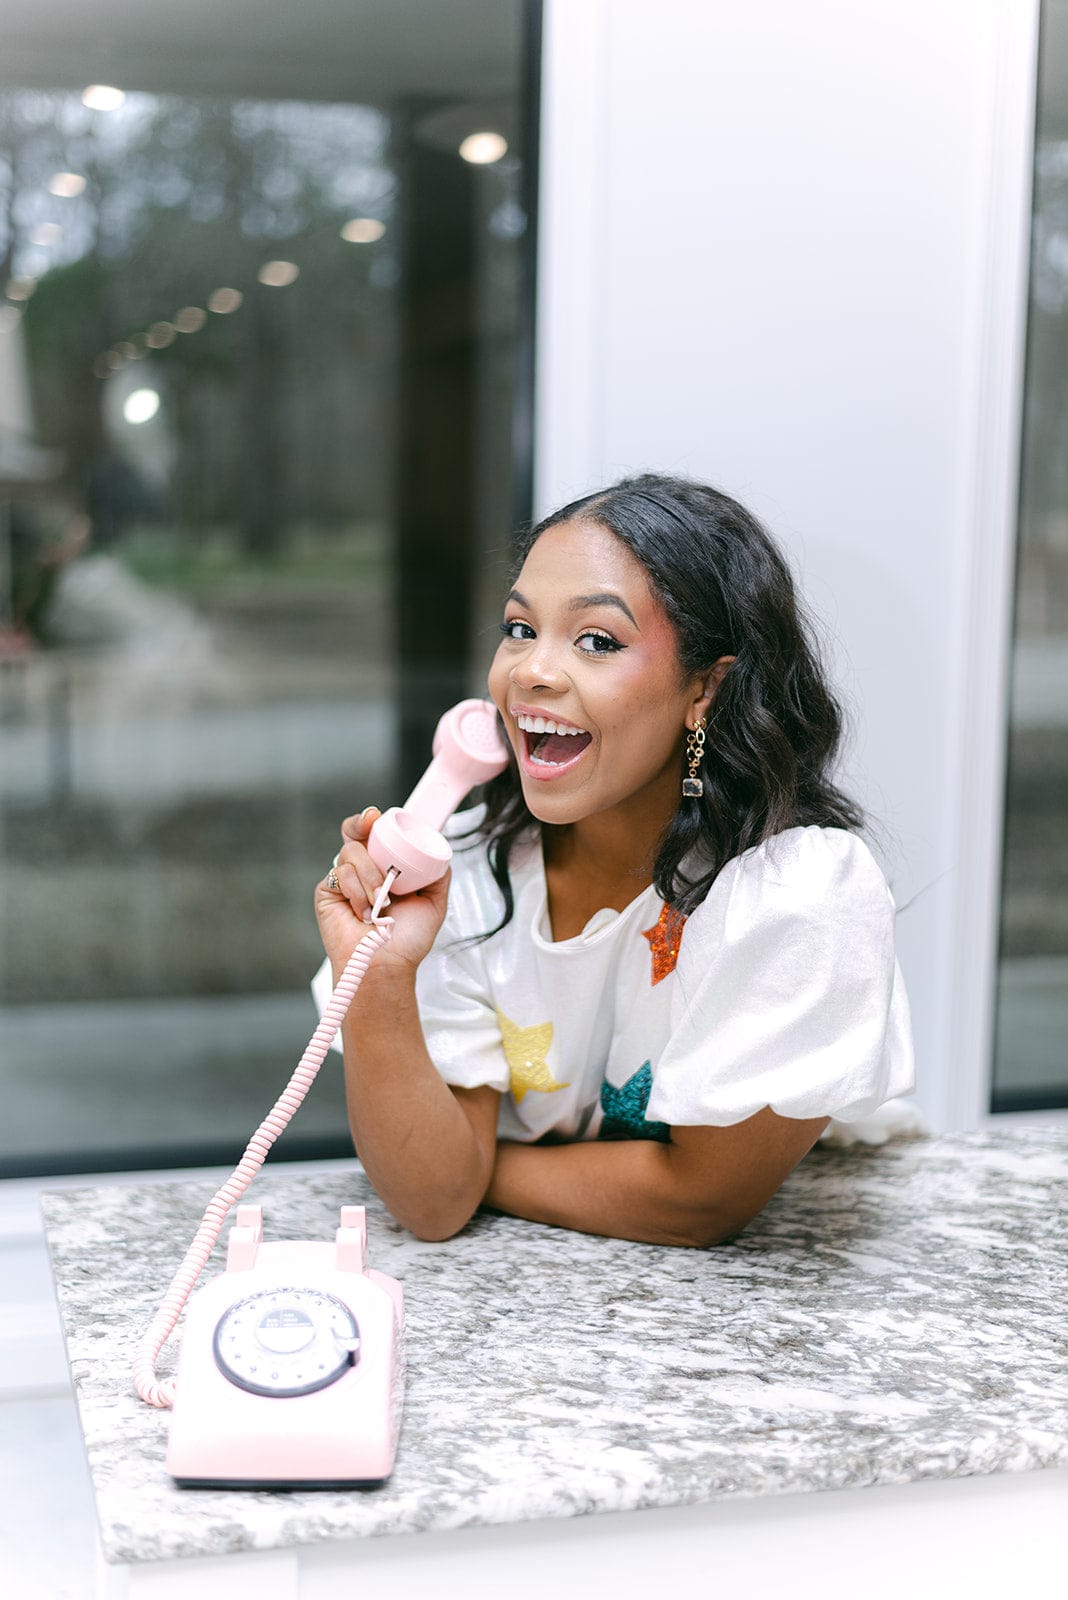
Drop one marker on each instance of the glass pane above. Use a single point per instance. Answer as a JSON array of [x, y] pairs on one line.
[[257, 356], [1031, 1062]]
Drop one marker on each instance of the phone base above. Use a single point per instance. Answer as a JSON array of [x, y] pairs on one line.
[[291, 1372], [288, 1486]]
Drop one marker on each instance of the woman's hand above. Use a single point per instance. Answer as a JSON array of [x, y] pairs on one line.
[[340, 912]]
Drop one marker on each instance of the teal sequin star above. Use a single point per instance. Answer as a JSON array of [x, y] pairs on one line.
[[624, 1109]]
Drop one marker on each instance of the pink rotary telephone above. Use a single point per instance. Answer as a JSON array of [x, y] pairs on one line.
[[291, 1372]]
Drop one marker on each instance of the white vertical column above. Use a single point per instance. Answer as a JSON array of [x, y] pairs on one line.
[[784, 249], [573, 229], [993, 381]]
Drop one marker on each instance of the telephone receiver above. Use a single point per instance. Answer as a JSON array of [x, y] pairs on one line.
[[406, 840], [291, 1372]]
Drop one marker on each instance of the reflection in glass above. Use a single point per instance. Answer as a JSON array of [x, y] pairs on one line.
[[205, 514], [1031, 1063]]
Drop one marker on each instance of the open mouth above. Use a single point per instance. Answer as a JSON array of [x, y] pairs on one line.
[[552, 744]]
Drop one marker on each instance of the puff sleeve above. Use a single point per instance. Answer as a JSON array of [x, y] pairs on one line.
[[460, 1026], [788, 994], [456, 1010], [463, 1036]]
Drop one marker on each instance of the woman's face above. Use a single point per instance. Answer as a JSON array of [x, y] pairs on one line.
[[588, 647]]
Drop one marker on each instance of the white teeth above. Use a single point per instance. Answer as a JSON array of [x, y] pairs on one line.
[[544, 725]]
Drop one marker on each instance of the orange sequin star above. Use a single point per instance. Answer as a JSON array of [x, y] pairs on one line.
[[664, 941]]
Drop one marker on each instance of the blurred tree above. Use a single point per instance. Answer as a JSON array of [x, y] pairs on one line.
[[182, 198]]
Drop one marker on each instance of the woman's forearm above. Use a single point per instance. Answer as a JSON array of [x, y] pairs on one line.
[[427, 1158], [624, 1189], [699, 1188]]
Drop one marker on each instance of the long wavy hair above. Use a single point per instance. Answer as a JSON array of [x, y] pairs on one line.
[[774, 726]]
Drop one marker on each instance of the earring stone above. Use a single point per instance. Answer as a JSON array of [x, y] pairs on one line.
[[692, 786]]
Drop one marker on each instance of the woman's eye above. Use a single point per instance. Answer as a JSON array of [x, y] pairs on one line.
[[591, 643], [600, 644]]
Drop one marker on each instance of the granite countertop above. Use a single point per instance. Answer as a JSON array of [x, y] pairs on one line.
[[896, 1313]]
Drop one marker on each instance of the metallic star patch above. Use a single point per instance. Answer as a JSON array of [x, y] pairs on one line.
[[525, 1050], [665, 941]]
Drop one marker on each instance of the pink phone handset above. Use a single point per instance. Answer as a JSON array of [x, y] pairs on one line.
[[307, 1323], [467, 750]]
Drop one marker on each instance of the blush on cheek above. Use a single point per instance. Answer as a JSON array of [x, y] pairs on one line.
[[649, 671], [658, 637]]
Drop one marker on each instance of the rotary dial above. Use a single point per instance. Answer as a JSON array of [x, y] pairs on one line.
[[286, 1341]]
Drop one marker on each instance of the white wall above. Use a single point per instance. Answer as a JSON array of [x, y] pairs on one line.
[[784, 248]]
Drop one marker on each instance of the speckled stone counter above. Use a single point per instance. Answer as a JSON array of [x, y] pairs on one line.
[[896, 1314]]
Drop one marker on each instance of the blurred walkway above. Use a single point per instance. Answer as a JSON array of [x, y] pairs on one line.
[[179, 751]]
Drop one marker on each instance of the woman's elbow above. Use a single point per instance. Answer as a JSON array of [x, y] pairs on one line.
[[697, 1236], [436, 1229], [439, 1218], [698, 1227]]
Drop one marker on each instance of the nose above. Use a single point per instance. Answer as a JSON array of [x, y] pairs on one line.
[[539, 669]]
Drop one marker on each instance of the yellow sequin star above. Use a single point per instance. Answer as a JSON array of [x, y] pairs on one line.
[[665, 937], [525, 1050]]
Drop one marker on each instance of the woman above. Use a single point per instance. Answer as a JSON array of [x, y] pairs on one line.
[[665, 958]]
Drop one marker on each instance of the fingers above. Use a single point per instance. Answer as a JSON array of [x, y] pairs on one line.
[[359, 826], [354, 876], [358, 879], [345, 898]]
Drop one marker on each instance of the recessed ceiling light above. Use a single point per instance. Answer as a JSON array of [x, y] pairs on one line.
[[482, 149], [278, 274], [160, 335], [363, 230], [222, 301]]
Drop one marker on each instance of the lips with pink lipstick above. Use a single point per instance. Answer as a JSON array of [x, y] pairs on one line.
[[551, 746]]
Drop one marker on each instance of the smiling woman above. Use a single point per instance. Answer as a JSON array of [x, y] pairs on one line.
[[588, 642], [656, 975]]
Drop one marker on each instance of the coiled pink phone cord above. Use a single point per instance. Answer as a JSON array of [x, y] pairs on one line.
[[149, 1387]]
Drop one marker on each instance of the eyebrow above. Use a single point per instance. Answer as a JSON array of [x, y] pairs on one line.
[[583, 602]]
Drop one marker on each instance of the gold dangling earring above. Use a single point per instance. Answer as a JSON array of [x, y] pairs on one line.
[[692, 787]]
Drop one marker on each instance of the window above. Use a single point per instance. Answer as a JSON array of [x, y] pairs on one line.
[[264, 382], [1031, 1067]]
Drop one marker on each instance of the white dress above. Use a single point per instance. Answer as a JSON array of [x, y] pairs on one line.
[[781, 989]]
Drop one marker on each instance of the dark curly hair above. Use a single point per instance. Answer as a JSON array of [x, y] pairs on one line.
[[774, 725]]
